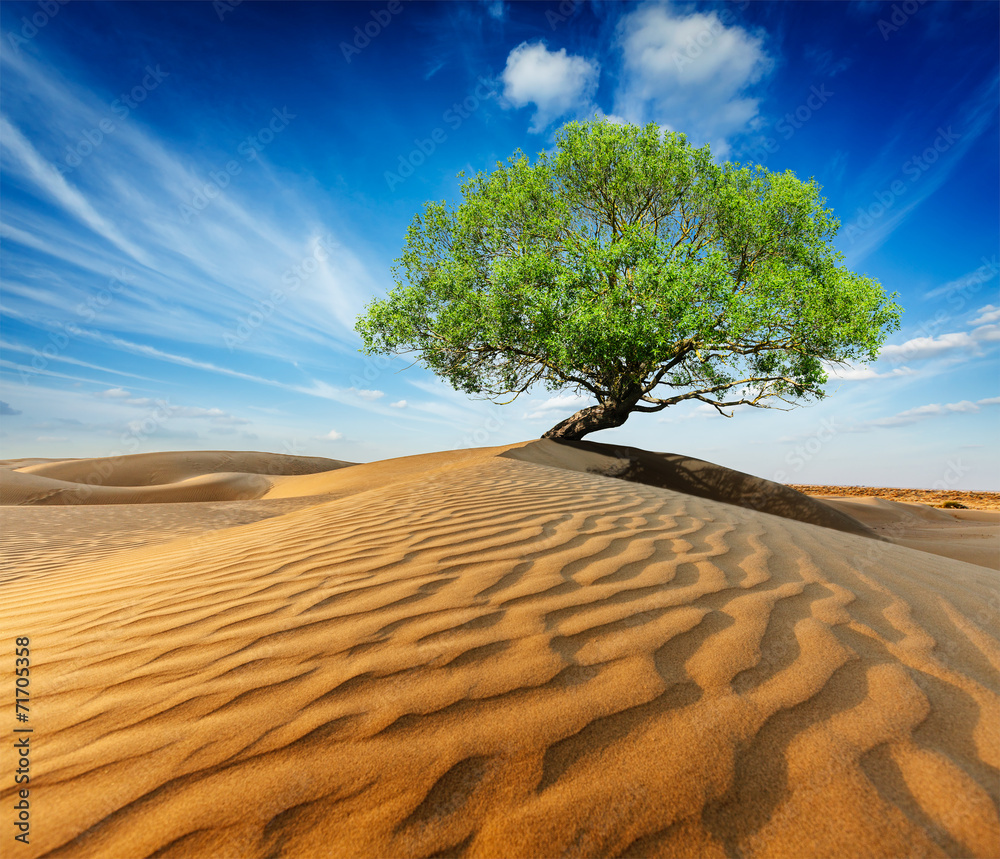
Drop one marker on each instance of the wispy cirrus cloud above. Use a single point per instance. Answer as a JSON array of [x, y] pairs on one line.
[[127, 207], [39, 360], [44, 175], [357, 398]]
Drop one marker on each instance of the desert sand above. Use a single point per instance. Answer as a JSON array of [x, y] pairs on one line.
[[532, 650]]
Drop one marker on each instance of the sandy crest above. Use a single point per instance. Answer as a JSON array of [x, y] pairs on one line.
[[499, 657]]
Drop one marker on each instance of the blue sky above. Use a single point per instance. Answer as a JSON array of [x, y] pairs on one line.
[[199, 198]]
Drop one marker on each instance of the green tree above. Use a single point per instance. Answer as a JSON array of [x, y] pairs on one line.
[[630, 267]]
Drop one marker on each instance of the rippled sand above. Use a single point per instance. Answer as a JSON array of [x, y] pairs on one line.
[[514, 652]]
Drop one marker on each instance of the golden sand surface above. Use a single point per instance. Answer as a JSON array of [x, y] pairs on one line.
[[533, 650]]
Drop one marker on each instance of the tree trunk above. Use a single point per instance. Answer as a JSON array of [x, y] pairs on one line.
[[591, 419]]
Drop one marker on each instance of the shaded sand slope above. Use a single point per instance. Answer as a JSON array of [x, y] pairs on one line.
[[687, 475], [154, 478], [505, 658]]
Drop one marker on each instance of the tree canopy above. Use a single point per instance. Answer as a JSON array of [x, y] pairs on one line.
[[629, 266]]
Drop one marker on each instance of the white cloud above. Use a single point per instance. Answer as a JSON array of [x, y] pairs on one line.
[[986, 333], [333, 435], [568, 403], [927, 347], [52, 374], [317, 387], [216, 415], [496, 9], [399, 404], [989, 313], [860, 372], [367, 395], [689, 73], [554, 82], [931, 410], [956, 346], [918, 348]]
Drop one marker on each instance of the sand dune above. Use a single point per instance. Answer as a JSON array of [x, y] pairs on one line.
[[153, 478], [148, 469], [966, 535], [512, 652]]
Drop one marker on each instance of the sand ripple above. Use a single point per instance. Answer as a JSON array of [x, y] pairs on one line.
[[506, 658]]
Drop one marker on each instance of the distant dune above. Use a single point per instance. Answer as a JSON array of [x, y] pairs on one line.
[[539, 649], [153, 478]]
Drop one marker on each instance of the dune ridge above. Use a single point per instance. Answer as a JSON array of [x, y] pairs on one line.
[[498, 657]]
